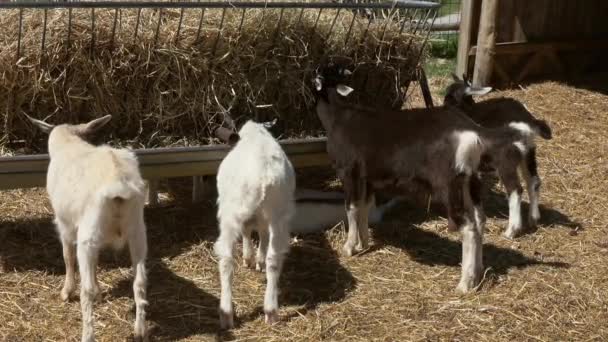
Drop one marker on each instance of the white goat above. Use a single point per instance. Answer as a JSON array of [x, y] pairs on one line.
[[256, 184], [97, 195], [319, 210]]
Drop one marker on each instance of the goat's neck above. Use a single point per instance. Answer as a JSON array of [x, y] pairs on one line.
[[63, 141]]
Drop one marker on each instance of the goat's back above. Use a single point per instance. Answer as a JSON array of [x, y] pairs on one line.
[[85, 178], [256, 172]]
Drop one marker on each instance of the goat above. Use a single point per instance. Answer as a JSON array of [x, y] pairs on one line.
[[256, 184], [317, 210], [372, 148], [500, 112], [97, 195]]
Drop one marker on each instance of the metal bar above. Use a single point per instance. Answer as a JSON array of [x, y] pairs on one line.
[[160, 17], [217, 4], [276, 32], [299, 17], [69, 28], [44, 30], [136, 26], [405, 21], [179, 25], [350, 27], [200, 25], [219, 32], [114, 28], [331, 28], [242, 20], [160, 163], [92, 31], [314, 28], [19, 36]]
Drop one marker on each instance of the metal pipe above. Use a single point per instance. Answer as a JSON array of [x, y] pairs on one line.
[[217, 4]]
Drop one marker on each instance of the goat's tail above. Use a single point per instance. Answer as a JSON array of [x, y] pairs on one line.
[[543, 129], [122, 190]]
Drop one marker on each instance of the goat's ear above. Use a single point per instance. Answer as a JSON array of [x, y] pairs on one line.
[[96, 124], [469, 91], [344, 90], [45, 127], [270, 124], [455, 78], [318, 82]]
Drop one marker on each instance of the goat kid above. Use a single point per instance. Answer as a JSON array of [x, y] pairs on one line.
[[505, 112], [97, 195], [372, 148], [256, 184]]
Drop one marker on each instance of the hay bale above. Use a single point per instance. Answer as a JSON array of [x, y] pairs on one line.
[[167, 89]]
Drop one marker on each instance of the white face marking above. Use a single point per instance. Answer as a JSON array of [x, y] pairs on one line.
[[318, 83], [477, 91], [344, 90]]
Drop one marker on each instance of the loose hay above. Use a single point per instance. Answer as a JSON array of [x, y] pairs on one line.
[[550, 285], [165, 88]]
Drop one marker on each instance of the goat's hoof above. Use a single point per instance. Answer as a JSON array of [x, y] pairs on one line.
[[260, 266], [533, 221], [141, 338], [226, 320], [249, 263], [65, 295], [465, 286], [511, 233], [349, 251], [140, 332], [271, 317]]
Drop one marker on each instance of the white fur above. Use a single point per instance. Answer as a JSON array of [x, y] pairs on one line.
[[472, 244], [514, 226], [314, 216], [256, 184], [97, 195], [529, 135], [468, 151]]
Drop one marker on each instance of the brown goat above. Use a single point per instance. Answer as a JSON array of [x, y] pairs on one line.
[[505, 112], [372, 148]]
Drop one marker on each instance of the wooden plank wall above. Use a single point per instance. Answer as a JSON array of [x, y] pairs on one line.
[[546, 21]]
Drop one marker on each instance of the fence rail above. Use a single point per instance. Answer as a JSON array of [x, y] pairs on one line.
[[405, 4], [159, 163]]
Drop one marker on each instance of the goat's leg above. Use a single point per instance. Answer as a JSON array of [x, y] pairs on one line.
[[363, 218], [260, 258], [278, 247], [472, 244], [224, 246], [87, 253], [138, 248], [248, 257], [68, 242], [530, 173], [475, 189], [509, 177], [354, 190]]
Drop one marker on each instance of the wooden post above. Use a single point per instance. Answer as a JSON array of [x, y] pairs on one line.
[[464, 37], [198, 188], [152, 193], [486, 44]]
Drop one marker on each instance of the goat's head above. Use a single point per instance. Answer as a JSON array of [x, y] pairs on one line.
[[332, 76], [461, 92], [80, 130]]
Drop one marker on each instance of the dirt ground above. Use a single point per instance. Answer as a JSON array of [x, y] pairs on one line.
[[548, 285]]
